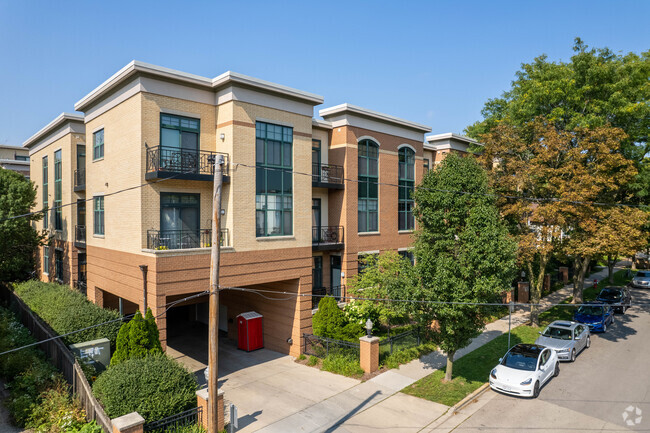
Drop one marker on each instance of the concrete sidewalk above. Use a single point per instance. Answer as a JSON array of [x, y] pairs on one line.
[[378, 404]]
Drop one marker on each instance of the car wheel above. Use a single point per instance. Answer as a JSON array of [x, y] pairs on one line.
[[556, 373], [605, 327], [573, 355], [588, 342], [536, 390]]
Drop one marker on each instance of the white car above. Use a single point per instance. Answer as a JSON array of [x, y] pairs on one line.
[[524, 370]]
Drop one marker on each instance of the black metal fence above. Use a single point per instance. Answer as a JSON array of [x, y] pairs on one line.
[[80, 235], [183, 239], [177, 160], [327, 173], [327, 235], [322, 347], [176, 423], [404, 340]]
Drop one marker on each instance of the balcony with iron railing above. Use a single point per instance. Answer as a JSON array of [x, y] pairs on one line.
[[183, 239], [327, 238], [165, 162], [80, 179], [80, 236], [327, 176]]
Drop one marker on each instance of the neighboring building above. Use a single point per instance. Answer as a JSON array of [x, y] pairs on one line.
[[439, 145], [291, 223], [14, 158]]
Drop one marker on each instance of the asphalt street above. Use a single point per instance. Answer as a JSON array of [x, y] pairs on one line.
[[607, 381]]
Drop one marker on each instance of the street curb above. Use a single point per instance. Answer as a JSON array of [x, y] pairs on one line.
[[469, 399]]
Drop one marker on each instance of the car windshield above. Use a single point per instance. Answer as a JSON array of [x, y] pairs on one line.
[[590, 311], [643, 274], [559, 333], [610, 294], [520, 361]]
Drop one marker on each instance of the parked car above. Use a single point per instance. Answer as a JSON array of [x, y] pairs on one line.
[[567, 339], [595, 315], [641, 280], [524, 370], [619, 298]]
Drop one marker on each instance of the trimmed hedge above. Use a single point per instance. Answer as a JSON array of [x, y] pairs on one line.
[[155, 386], [66, 310]]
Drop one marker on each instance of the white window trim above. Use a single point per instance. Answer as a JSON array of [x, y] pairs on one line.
[[368, 137], [407, 145]]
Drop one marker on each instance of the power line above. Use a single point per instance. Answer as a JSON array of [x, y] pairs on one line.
[[56, 337]]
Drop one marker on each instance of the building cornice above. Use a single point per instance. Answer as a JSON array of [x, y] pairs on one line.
[[59, 121], [450, 136], [346, 108]]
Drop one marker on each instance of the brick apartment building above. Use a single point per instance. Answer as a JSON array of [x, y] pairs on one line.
[[14, 158], [303, 200]]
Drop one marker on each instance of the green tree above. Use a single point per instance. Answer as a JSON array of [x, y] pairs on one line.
[[18, 239], [137, 338], [154, 335], [385, 276], [122, 346], [464, 253]]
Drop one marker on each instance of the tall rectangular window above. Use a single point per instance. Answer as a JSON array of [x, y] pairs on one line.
[[58, 192], [98, 215], [98, 144], [408, 255], [406, 221], [426, 165], [368, 216], [58, 264], [46, 260], [45, 192], [273, 178]]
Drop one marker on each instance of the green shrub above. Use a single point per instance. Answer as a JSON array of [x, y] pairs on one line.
[[137, 338], [399, 357], [54, 303], [26, 390], [154, 335], [155, 386], [56, 412], [301, 357], [313, 360], [90, 427], [346, 365], [329, 319]]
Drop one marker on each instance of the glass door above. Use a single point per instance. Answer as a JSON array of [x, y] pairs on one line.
[[335, 276], [315, 160], [317, 290], [179, 220], [316, 220]]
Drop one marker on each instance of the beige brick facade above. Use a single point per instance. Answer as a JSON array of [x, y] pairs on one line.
[[128, 109]]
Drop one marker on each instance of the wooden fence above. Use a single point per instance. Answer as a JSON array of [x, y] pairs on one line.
[[62, 358]]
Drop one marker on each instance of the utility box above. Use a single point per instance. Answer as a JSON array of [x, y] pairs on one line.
[[250, 331], [95, 352]]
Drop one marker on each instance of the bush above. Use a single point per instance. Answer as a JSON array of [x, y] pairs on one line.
[[346, 365], [54, 303], [399, 357], [330, 321], [313, 360], [155, 386], [137, 339], [26, 390], [56, 412]]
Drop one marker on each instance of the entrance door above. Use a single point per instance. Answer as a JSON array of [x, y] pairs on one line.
[[179, 220], [316, 219], [335, 275], [317, 281]]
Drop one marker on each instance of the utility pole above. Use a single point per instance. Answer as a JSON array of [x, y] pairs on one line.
[[213, 338]]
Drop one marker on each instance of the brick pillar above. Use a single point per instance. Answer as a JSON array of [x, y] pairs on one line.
[[129, 423], [564, 274], [202, 402], [523, 291], [369, 354], [96, 295]]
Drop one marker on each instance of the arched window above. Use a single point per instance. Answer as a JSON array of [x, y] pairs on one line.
[[406, 185], [368, 188]]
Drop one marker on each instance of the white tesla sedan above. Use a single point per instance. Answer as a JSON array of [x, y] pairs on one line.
[[524, 370]]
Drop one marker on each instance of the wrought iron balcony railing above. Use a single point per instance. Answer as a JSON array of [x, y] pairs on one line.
[[327, 175], [80, 179], [163, 161], [80, 235], [327, 237], [183, 239]]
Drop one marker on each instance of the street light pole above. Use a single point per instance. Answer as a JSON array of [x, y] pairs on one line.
[[213, 338]]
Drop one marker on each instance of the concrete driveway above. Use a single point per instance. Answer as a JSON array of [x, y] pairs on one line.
[[591, 394]]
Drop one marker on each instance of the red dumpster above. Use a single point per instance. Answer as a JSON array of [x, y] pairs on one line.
[[250, 331]]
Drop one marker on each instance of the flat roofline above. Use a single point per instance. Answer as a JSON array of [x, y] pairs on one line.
[[61, 119], [386, 118], [321, 123], [451, 135], [224, 79], [11, 147], [14, 161]]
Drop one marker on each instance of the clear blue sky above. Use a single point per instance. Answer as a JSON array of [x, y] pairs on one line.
[[430, 62]]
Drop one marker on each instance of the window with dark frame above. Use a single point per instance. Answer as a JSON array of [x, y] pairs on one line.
[[426, 165], [179, 132], [274, 180], [368, 204], [45, 192], [98, 144], [58, 192], [406, 221], [46, 260], [98, 215], [58, 264], [408, 254], [362, 262]]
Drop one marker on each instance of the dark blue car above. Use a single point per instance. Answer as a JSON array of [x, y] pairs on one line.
[[596, 315]]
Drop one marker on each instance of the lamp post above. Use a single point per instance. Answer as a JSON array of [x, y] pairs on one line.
[[369, 327]]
